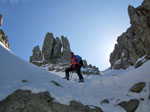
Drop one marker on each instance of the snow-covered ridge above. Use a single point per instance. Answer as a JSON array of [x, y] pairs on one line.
[[16, 73]]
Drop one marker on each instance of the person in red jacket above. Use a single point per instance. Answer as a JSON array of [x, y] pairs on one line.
[[75, 66]]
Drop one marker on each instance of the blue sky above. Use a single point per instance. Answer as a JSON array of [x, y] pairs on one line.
[[92, 26]]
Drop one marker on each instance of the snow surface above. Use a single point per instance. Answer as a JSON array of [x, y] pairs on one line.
[[118, 62], [113, 85]]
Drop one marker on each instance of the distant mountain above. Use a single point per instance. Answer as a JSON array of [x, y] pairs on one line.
[[133, 47]]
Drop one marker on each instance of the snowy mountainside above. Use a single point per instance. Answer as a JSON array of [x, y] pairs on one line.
[[60, 67], [16, 73]]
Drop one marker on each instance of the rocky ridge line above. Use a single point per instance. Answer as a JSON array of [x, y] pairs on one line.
[[135, 42]]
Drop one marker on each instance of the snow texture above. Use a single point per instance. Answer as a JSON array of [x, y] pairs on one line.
[[113, 85]]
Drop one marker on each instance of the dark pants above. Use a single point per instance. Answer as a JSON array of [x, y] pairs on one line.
[[77, 69]]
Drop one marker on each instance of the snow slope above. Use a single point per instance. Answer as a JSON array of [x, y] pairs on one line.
[[113, 85]]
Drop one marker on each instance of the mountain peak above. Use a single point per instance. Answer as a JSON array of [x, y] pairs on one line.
[[134, 43]]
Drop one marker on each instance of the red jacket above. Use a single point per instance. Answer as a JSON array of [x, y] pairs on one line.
[[74, 61]]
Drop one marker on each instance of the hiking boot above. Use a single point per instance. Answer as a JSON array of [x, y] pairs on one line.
[[81, 80], [66, 78]]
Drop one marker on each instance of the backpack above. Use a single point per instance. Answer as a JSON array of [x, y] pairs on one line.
[[79, 59]]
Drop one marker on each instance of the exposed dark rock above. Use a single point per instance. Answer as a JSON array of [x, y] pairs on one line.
[[149, 96], [66, 50], [38, 63], [138, 87], [36, 55], [85, 63], [142, 99], [147, 57], [59, 69], [56, 84], [139, 63], [3, 36], [24, 81], [51, 50], [25, 101], [104, 101], [56, 54], [90, 66], [130, 106], [79, 107], [48, 45], [51, 68], [4, 39], [134, 43], [91, 70]]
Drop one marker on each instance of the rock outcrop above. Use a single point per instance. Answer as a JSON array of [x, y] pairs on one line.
[[48, 45], [25, 101], [56, 52], [36, 55], [89, 69], [130, 106], [85, 63], [105, 101], [66, 50], [135, 42], [52, 50], [4, 39], [138, 87], [3, 36]]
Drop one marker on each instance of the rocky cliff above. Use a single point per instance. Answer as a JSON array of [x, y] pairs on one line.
[[25, 101], [4, 39], [54, 50], [135, 42], [37, 54], [3, 36]]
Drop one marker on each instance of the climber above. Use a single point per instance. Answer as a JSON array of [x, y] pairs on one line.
[[1, 19], [76, 64]]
